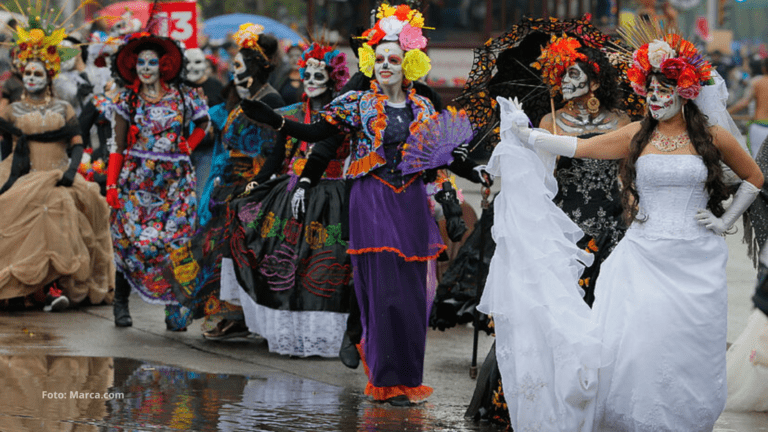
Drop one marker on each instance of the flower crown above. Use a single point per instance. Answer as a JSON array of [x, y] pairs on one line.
[[557, 57], [35, 43], [326, 56], [247, 36], [397, 24], [677, 59]]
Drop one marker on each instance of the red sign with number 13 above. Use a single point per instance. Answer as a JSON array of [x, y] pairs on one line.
[[178, 20]]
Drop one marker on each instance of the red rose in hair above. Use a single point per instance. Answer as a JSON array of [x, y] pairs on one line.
[[51, 50], [671, 68], [166, 68]]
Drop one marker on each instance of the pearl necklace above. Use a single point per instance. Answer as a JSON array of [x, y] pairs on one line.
[[667, 144]]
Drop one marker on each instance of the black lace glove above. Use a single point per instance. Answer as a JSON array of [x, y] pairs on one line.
[[259, 111], [69, 175], [452, 211]]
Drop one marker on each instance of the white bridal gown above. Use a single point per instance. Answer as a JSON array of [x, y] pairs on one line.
[[650, 355]]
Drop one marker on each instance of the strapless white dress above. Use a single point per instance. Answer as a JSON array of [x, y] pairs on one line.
[[650, 355]]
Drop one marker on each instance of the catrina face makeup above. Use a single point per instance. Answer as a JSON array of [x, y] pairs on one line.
[[662, 100], [34, 78], [388, 68], [148, 67], [575, 82]]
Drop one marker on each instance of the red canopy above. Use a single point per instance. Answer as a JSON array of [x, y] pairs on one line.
[[113, 12]]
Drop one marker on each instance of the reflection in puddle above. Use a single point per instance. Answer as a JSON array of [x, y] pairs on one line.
[[42, 393]]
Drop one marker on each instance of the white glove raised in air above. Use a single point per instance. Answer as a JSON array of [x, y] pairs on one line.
[[516, 122]]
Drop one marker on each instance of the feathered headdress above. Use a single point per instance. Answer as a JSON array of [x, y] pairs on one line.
[[668, 53], [38, 38], [399, 24]]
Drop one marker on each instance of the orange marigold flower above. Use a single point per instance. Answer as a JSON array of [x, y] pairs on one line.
[[687, 77], [402, 12]]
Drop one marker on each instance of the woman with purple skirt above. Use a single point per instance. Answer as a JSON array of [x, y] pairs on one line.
[[392, 234]]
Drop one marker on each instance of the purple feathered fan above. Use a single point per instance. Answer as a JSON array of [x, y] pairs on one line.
[[431, 144]]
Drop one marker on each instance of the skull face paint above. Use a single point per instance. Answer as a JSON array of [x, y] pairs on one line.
[[35, 78], [575, 82], [388, 68], [241, 76], [148, 67], [315, 78], [196, 64], [662, 100]]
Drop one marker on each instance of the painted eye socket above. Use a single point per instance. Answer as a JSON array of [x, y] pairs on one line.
[[154, 62], [141, 62], [574, 73], [395, 60], [319, 76], [379, 59]]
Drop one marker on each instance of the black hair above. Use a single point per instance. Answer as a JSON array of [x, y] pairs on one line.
[[608, 78], [701, 139], [256, 62]]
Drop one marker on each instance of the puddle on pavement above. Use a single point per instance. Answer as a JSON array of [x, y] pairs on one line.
[[51, 393]]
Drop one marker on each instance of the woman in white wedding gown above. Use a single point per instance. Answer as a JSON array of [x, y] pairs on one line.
[[650, 355]]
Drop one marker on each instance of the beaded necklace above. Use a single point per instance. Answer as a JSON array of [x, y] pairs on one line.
[[667, 144]]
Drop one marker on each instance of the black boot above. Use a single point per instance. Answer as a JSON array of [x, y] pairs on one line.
[[348, 353], [122, 292]]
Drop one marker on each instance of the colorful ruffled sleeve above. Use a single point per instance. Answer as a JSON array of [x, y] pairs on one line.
[[344, 111], [121, 105], [195, 106]]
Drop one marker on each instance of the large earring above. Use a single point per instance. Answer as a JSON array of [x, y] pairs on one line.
[[593, 105], [683, 109]]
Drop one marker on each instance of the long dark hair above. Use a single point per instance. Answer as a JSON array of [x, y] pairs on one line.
[[608, 78], [701, 139]]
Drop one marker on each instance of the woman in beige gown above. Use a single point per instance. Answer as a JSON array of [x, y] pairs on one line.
[[54, 225]]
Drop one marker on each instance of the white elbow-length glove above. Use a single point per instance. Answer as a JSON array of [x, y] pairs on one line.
[[538, 139], [742, 199]]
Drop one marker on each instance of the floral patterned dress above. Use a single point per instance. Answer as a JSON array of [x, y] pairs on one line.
[[157, 190]]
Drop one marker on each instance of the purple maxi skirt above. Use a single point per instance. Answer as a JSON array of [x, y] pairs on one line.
[[392, 236]]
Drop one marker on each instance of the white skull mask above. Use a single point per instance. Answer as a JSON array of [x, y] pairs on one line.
[[575, 82], [662, 100], [148, 67], [35, 78], [315, 78], [69, 64], [196, 64], [389, 63]]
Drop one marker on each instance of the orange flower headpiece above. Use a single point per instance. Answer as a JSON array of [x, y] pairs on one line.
[[403, 25], [39, 42], [674, 57], [657, 50], [560, 54]]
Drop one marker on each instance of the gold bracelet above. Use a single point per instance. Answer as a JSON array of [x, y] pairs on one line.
[[282, 124]]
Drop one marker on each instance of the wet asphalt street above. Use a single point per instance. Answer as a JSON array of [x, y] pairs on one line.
[[75, 371]]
